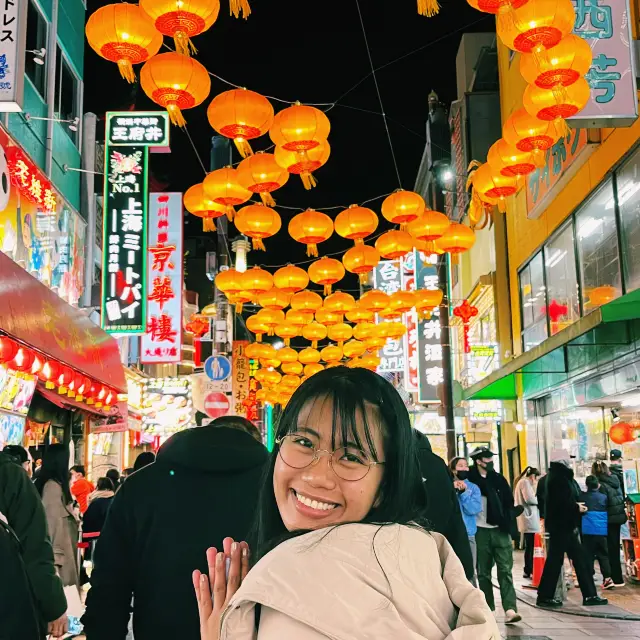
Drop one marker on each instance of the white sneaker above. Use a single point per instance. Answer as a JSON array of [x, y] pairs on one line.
[[512, 616]]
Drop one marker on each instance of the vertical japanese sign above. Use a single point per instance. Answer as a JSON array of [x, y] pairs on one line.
[[124, 268], [387, 277], [407, 266], [13, 40], [162, 342], [606, 26], [240, 376], [430, 374]]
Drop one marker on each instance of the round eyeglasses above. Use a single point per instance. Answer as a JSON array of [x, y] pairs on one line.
[[349, 463]]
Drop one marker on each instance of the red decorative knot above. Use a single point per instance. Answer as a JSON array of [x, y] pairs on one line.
[[465, 312], [169, 96], [500, 192], [116, 51], [188, 23], [556, 78], [557, 111], [520, 169], [264, 187], [303, 166], [240, 131], [301, 145], [546, 37], [500, 6], [535, 142]]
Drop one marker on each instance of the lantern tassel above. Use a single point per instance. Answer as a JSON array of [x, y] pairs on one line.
[[364, 277], [208, 224], [183, 44], [239, 307], [428, 8], [314, 344], [258, 245], [267, 199], [258, 337], [539, 158], [237, 6], [271, 331], [230, 211], [287, 342], [327, 289], [126, 70], [175, 115], [502, 205], [243, 147], [308, 180], [562, 127], [312, 250]]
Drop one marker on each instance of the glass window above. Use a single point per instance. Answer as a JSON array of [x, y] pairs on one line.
[[628, 185], [562, 282], [35, 66], [66, 101], [598, 249], [534, 303]]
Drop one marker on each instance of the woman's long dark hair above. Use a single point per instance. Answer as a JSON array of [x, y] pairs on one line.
[[527, 473], [402, 497], [55, 466]]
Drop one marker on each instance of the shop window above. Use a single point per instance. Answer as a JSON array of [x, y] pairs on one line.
[[562, 283], [597, 237], [36, 40], [628, 187], [67, 93], [534, 303]]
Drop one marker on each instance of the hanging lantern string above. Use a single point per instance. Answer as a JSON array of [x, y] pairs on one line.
[[184, 128]]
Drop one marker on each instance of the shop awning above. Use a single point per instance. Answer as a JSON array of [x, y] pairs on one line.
[[551, 357], [33, 314]]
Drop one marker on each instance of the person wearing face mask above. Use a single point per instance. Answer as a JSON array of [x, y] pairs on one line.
[[529, 519], [494, 532], [341, 547]]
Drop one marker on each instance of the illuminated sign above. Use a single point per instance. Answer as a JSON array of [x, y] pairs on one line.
[[141, 128], [483, 351], [240, 375], [30, 181], [407, 264], [167, 405], [162, 343], [387, 276], [13, 42]]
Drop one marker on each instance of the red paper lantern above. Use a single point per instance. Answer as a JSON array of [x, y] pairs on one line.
[[622, 432], [48, 373], [38, 361], [22, 360], [8, 349], [64, 379]]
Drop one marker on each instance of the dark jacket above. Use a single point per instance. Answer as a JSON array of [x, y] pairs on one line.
[[443, 508], [562, 514], [540, 495], [594, 522], [611, 487], [500, 507], [95, 515], [22, 507], [616, 470], [202, 488]]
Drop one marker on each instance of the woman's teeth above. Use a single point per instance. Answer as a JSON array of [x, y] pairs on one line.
[[314, 504]]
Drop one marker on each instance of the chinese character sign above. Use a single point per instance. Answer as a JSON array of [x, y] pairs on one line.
[[12, 51], [606, 26], [162, 341], [240, 376], [387, 277], [407, 266], [29, 180], [124, 277], [140, 128]]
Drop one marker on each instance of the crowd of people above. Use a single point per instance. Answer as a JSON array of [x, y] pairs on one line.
[[351, 525]]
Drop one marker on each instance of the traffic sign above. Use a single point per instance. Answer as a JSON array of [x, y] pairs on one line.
[[217, 368], [216, 404]]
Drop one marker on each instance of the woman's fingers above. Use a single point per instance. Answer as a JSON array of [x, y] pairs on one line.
[[226, 545], [244, 561], [205, 605], [220, 583], [233, 579], [195, 577]]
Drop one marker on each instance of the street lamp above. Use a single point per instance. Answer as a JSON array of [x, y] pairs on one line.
[[240, 246]]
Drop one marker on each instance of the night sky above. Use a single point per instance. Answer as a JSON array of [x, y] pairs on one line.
[[314, 52]]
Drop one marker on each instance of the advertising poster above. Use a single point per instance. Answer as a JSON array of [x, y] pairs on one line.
[[12, 51], [11, 429], [167, 405], [240, 377], [16, 390]]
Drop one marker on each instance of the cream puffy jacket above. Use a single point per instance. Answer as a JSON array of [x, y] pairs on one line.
[[357, 582]]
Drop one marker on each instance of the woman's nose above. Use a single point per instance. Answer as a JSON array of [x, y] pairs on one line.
[[320, 473]]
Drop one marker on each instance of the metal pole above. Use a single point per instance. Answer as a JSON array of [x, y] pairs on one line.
[[88, 202], [52, 45]]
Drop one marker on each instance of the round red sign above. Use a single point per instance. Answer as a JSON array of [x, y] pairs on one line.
[[216, 404]]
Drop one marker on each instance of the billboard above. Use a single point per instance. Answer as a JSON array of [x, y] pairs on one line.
[[12, 51], [387, 276]]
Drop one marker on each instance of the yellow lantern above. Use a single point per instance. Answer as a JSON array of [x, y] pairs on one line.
[[312, 369], [373, 342], [292, 368], [510, 161], [287, 354], [272, 363], [291, 279], [328, 318], [271, 318], [306, 301], [374, 300], [241, 115], [256, 281], [271, 377], [274, 299], [402, 207], [458, 238], [363, 330], [286, 331], [311, 228], [527, 133], [361, 259], [314, 332], [261, 174], [353, 349], [258, 222], [554, 104], [359, 315], [262, 395], [430, 226], [197, 203], [371, 362], [339, 302], [492, 184], [309, 356], [175, 82], [331, 354], [256, 326], [222, 187], [299, 318], [290, 382], [339, 333], [304, 163], [123, 33], [267, 352], [253, 350], [427, 300], [238, 299], [394, 244], [394, 330], [229, 282], [356, 223], [402, 301], [326, 272], [299, 128]]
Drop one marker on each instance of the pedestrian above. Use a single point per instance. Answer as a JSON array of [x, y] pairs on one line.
[[202, 487], [114, 476], [495, 523], [610, 485], [99, 502], [529, 519], [145, 458], [38, 466], [53, 486], [22, 456], [470, 501], [594, 529], [125, 474], [80, 486], [563, 512], [615, 466], [22, 510], [442, 508]]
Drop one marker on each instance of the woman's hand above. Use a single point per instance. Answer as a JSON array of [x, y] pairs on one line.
[[222, 584]]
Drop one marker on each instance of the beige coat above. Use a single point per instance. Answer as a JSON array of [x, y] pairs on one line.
[[63, 531], [359, 582]]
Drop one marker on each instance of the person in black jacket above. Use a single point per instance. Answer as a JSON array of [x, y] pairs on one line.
[[616, 516], [443, 508], [202, 488], [563, 512]]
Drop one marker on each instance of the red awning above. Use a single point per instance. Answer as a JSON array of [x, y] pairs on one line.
[[36, 316]]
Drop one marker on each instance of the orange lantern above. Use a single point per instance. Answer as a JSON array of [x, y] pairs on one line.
[[430, 226], [602, 295], [229, 282], [309, 356], [622, 432], [356, 223], [268, 352], [370, 361], [222, 187], [197, 203], [290, 382], [299, 318], [314, 332], [299, 128], [359, 315], [261, 174], [291, 279], [241, 115], [509, 161], [353, 349], [394, 244], [375, 342], [458, 238], [304, 163], [331, 353], [262, 395], [274, 298], [271, 363], [340, 333], [528, 133], [271, 378], [339, 302], [286, 331], [239, 299], [256, 326], [256, 281], [537, 26], [123, 33], [550, 104], [254, 350], [390, 314], [271, 318], [292, 368], [401, 207], [311, 227], [182, 19], [492, 184], [402, 301], [261, 375], [427, 300], [361, 259], [374, 300], [328, 318], [306, 301], [175, 82], [364, 330], [312, 369], [326, 272], [394, 330], [287, 355], [258, 222]]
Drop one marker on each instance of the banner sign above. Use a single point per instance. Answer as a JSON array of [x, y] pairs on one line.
[[141, 128], [407, 268], [162, 343], [606, 26], [387, 277], [13, 42], [240, 376]]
